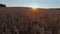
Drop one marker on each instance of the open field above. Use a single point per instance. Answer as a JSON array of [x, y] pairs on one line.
[[29, 21]]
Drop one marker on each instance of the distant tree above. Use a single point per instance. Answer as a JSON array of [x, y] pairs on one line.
[[55, 8], [2, 5]]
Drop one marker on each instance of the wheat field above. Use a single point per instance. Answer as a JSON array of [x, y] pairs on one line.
[[15, 20]]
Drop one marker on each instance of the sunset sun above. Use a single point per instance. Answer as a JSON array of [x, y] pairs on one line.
[[33, 7]]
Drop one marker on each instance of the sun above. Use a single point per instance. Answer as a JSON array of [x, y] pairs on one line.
[[33, 7]]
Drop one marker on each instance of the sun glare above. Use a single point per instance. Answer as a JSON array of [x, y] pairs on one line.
[[33, 7]]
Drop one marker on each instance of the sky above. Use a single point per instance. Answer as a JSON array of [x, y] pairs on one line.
[[34, 3]]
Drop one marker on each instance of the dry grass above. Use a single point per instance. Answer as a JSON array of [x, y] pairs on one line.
[[28, 21]]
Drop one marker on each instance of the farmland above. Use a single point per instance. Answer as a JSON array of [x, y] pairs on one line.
[[15, 20]]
